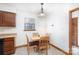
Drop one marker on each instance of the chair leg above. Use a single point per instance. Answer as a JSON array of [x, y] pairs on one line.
[[39, 51], [49, 45], [28, 50], [46, 52]]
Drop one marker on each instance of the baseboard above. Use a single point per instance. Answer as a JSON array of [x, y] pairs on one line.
[[60, 49], [78, 46], [50, 44], [21, 46]]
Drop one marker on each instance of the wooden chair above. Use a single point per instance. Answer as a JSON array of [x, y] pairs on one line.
[[43, 44], [30, 45], [36, 35]]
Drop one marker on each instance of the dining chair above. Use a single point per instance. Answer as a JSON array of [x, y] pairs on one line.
[[31, 45], [43, 44], [36, 35]]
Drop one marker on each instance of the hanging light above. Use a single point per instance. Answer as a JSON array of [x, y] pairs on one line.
[[42, 14]]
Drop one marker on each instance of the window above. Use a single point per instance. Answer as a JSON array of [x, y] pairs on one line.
[[29, 25]]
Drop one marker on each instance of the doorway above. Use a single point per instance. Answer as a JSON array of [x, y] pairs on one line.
[[75, 31]]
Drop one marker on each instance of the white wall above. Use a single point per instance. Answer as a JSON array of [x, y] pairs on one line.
[[57, 14], [59, 18], [22, 11], [59, 32]]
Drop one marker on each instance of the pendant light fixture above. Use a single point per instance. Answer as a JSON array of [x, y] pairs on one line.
[[42, 14]]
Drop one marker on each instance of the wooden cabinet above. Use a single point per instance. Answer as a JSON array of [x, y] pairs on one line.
[[1, 19], [1, 46], [7, 46], [7, 19]]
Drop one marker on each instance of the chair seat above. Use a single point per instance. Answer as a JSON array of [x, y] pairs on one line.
[[34, 43], [42, 47]]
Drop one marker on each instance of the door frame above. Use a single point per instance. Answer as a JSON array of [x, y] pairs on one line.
[[70, 29], [77, 31]]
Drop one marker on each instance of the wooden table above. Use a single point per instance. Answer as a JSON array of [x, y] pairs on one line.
[[41, 46], [35, 38]]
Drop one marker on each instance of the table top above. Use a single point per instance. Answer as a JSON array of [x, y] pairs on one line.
[[35, 38], [38, 37]]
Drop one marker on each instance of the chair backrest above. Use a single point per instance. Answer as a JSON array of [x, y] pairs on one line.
[[43, 42], [30, 34], [36, 35], [27, 39]]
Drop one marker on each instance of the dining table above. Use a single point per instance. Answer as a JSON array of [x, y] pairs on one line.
[[36, 38]]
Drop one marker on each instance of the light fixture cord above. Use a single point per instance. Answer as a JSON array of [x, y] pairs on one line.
[[42, 7]]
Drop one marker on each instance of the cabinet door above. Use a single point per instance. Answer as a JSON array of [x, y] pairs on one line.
[[9, 19], [9, 52], [9, 45], [1, 19], [1, 46], [9, 42]]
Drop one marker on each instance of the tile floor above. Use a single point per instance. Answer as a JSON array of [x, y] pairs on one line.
[[75, 50], [51, 51]]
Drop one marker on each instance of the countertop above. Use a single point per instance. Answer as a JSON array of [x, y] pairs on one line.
[[5, 35]]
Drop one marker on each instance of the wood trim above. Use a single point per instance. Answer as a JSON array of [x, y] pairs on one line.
[[59, 49], [78, 46], [29, 30], [75, 9], [49, 44], [70, 29], [70, 32], [76, 30], [7, 12], [21, 46]]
